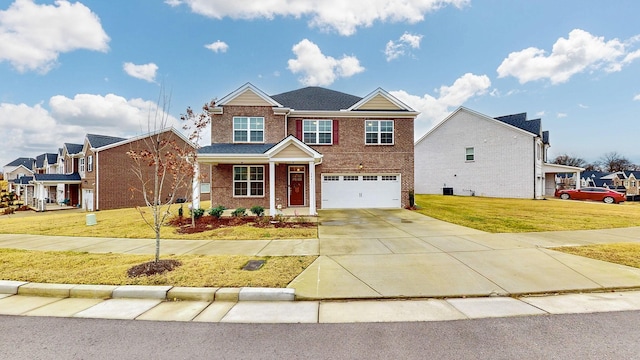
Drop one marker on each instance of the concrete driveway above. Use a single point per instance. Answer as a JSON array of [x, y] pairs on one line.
[[377, 253]]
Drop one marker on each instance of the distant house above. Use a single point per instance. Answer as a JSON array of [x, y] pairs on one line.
[[469, 153], [311, 148], [96, 174]]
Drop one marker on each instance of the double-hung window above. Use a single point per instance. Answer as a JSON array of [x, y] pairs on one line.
[[378, 132], [248, 129], [81, 165], [248, 181], [90, 163], [317, 132], [469, 154]]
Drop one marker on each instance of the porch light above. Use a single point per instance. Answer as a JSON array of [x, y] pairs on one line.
[[360, 166]]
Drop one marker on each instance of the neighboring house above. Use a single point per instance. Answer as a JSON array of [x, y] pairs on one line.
[[628, 180], [469, 153], [312, 148], [104, 170], [17, 169]]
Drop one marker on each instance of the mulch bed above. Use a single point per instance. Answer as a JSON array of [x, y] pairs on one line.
[[206, 223], [153, 268]]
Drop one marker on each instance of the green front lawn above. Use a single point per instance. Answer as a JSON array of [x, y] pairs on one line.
[[524, 215]]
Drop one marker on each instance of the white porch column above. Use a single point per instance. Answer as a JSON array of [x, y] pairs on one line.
[[272, 188], [195, 187], [578, 180], [312, 188]]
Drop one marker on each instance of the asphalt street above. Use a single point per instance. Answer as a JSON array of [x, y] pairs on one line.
[[612, 335]]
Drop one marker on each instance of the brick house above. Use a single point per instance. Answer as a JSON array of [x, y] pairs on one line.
[[469, 153], [97, 174], [311, 148]]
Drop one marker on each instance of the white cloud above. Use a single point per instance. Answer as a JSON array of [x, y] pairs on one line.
[[29, 46], [540, 114], [395, 49], [581, 51], [218, 46], [583, 106], [33, 130], [145, 72], [110, 112], [636, 98], [451, 97], [319, 69], [339, 15], [561, 115]]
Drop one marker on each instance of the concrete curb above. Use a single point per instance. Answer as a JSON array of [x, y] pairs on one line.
[[145, 292]]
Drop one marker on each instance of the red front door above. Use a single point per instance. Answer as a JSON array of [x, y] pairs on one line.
[[296, 189]]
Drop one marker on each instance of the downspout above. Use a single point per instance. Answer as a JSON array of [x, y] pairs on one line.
[[97, 192], [535, 184]]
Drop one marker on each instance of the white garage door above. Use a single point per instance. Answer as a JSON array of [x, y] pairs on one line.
[[356, 191], [87, 199]]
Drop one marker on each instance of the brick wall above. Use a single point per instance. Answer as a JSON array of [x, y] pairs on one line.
[[118, 187], [351, 151], [222, 124]]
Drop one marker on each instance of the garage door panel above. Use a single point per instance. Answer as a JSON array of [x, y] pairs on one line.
[[361, 191]]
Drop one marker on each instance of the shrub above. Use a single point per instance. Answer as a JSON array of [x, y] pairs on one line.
[[257, 210], [239, 212], [197, 213], [217, 211]]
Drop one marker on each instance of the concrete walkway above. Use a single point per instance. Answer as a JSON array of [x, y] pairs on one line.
[[447, 271]]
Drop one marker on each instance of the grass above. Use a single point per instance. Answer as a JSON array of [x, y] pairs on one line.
[[622, 253], [128, 223], [111, 269], [487, 214], [497, 215]]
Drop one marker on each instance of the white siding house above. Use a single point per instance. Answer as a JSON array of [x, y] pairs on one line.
[[469, 153]]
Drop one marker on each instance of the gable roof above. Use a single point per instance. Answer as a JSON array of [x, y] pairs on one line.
[[50, 159], [23, 161], [380, 100], [98, 141], [250, 91], [73, 148], [316, 98]]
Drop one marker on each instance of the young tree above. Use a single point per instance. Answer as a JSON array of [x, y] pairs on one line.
[[162, 162], [195, 124]]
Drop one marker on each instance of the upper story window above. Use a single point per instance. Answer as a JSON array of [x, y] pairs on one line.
[[378, 132], [81, 165], [470, 154], [248, 129], [90, 163], [317, 131]]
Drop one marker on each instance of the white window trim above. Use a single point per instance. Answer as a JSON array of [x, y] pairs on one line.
[[248, 181], [317, 132], [81, 166], [90, 163], [466, 154], [379, 132], [248, 129]]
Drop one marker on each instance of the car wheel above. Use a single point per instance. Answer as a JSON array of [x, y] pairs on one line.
[[564, 196], [608, 200]]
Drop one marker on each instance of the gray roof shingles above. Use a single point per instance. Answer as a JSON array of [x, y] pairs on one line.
[[316, 98], [520, 121], [73, 148], [98, 141], [57, 177], [24, 161], [235, 148]]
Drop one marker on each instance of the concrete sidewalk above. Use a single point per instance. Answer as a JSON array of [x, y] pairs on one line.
[[391, 264], [268, 306]]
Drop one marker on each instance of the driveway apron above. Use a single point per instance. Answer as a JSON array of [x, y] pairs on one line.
[[391, 253]]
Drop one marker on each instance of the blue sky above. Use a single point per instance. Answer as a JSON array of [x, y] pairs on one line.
[[70, 68]]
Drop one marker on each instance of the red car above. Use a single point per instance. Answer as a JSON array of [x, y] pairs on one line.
[[592, 193]]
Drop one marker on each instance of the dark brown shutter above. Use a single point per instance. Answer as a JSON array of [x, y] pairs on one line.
[[299, 129], [335, 132]]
